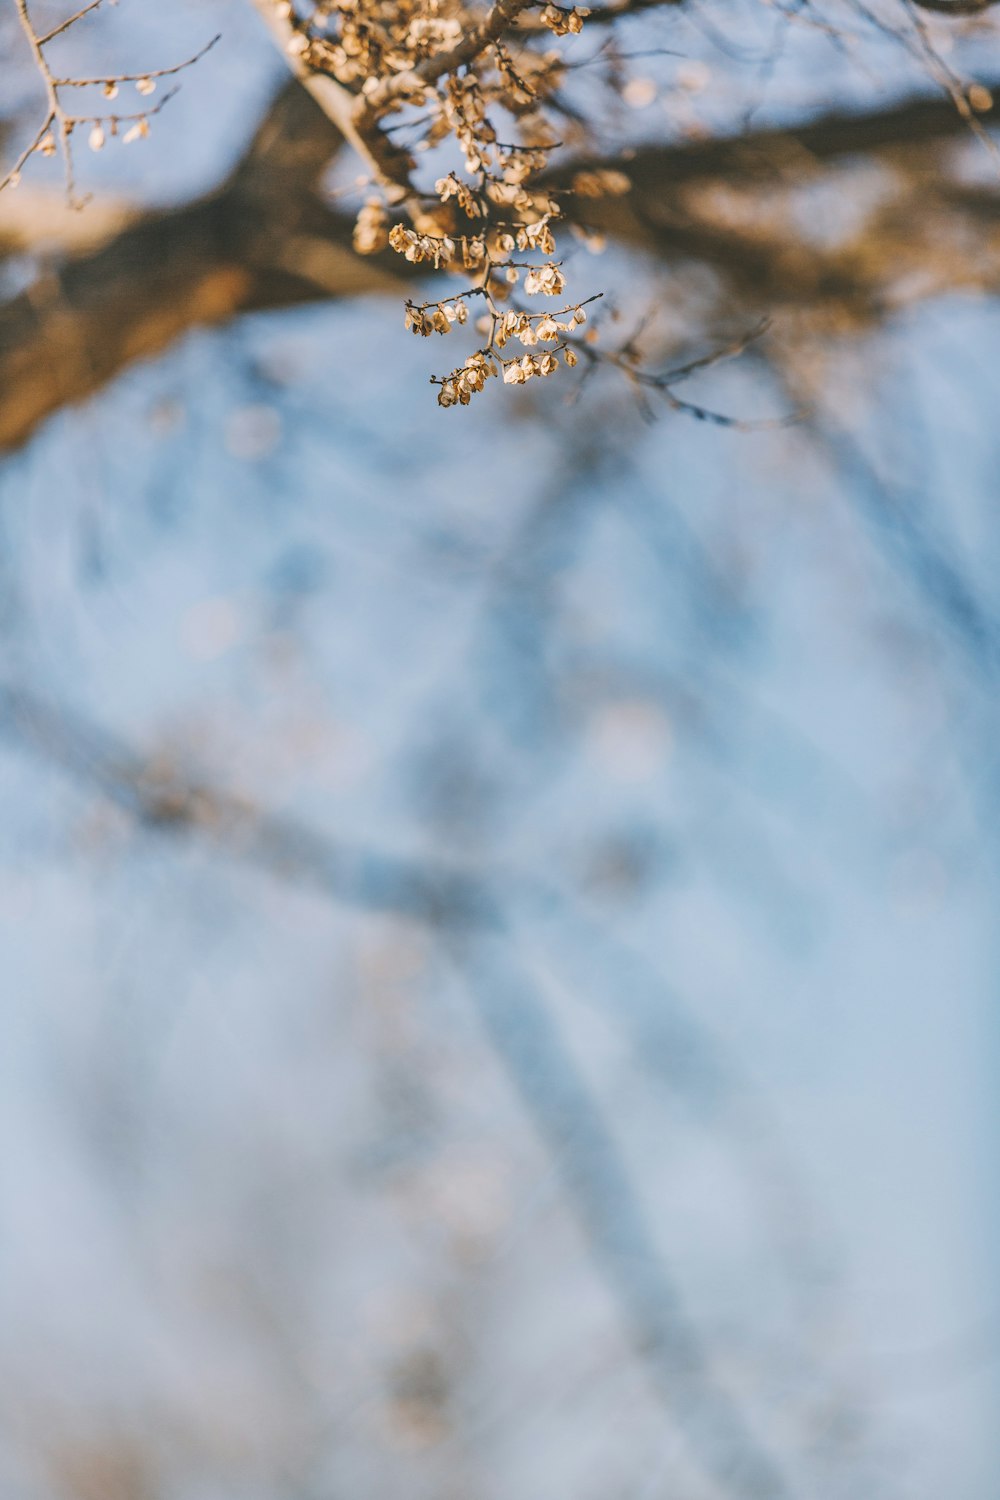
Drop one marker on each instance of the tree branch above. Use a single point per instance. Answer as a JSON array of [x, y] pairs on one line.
[[464, 913], [349, 112], [266, 240]]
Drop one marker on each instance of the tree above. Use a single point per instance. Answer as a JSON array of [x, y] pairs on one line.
[[441, 80], [560, 808]]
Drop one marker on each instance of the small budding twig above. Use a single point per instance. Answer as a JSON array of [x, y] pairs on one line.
[[54, 136], [50, 36], [112, 78], [623, 360]]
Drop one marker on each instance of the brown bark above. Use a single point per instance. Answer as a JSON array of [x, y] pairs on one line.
[[266, 240], [263, 240]]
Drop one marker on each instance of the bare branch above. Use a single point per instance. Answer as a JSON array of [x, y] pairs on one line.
[[56, 131]]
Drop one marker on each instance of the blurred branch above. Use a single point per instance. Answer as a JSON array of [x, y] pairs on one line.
[[928, 562], [264, 239], [769, 152], [158, 797], [40, 222], [267, 240], [556, 1096], [956, 7], [468, 920], [730, 203]]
